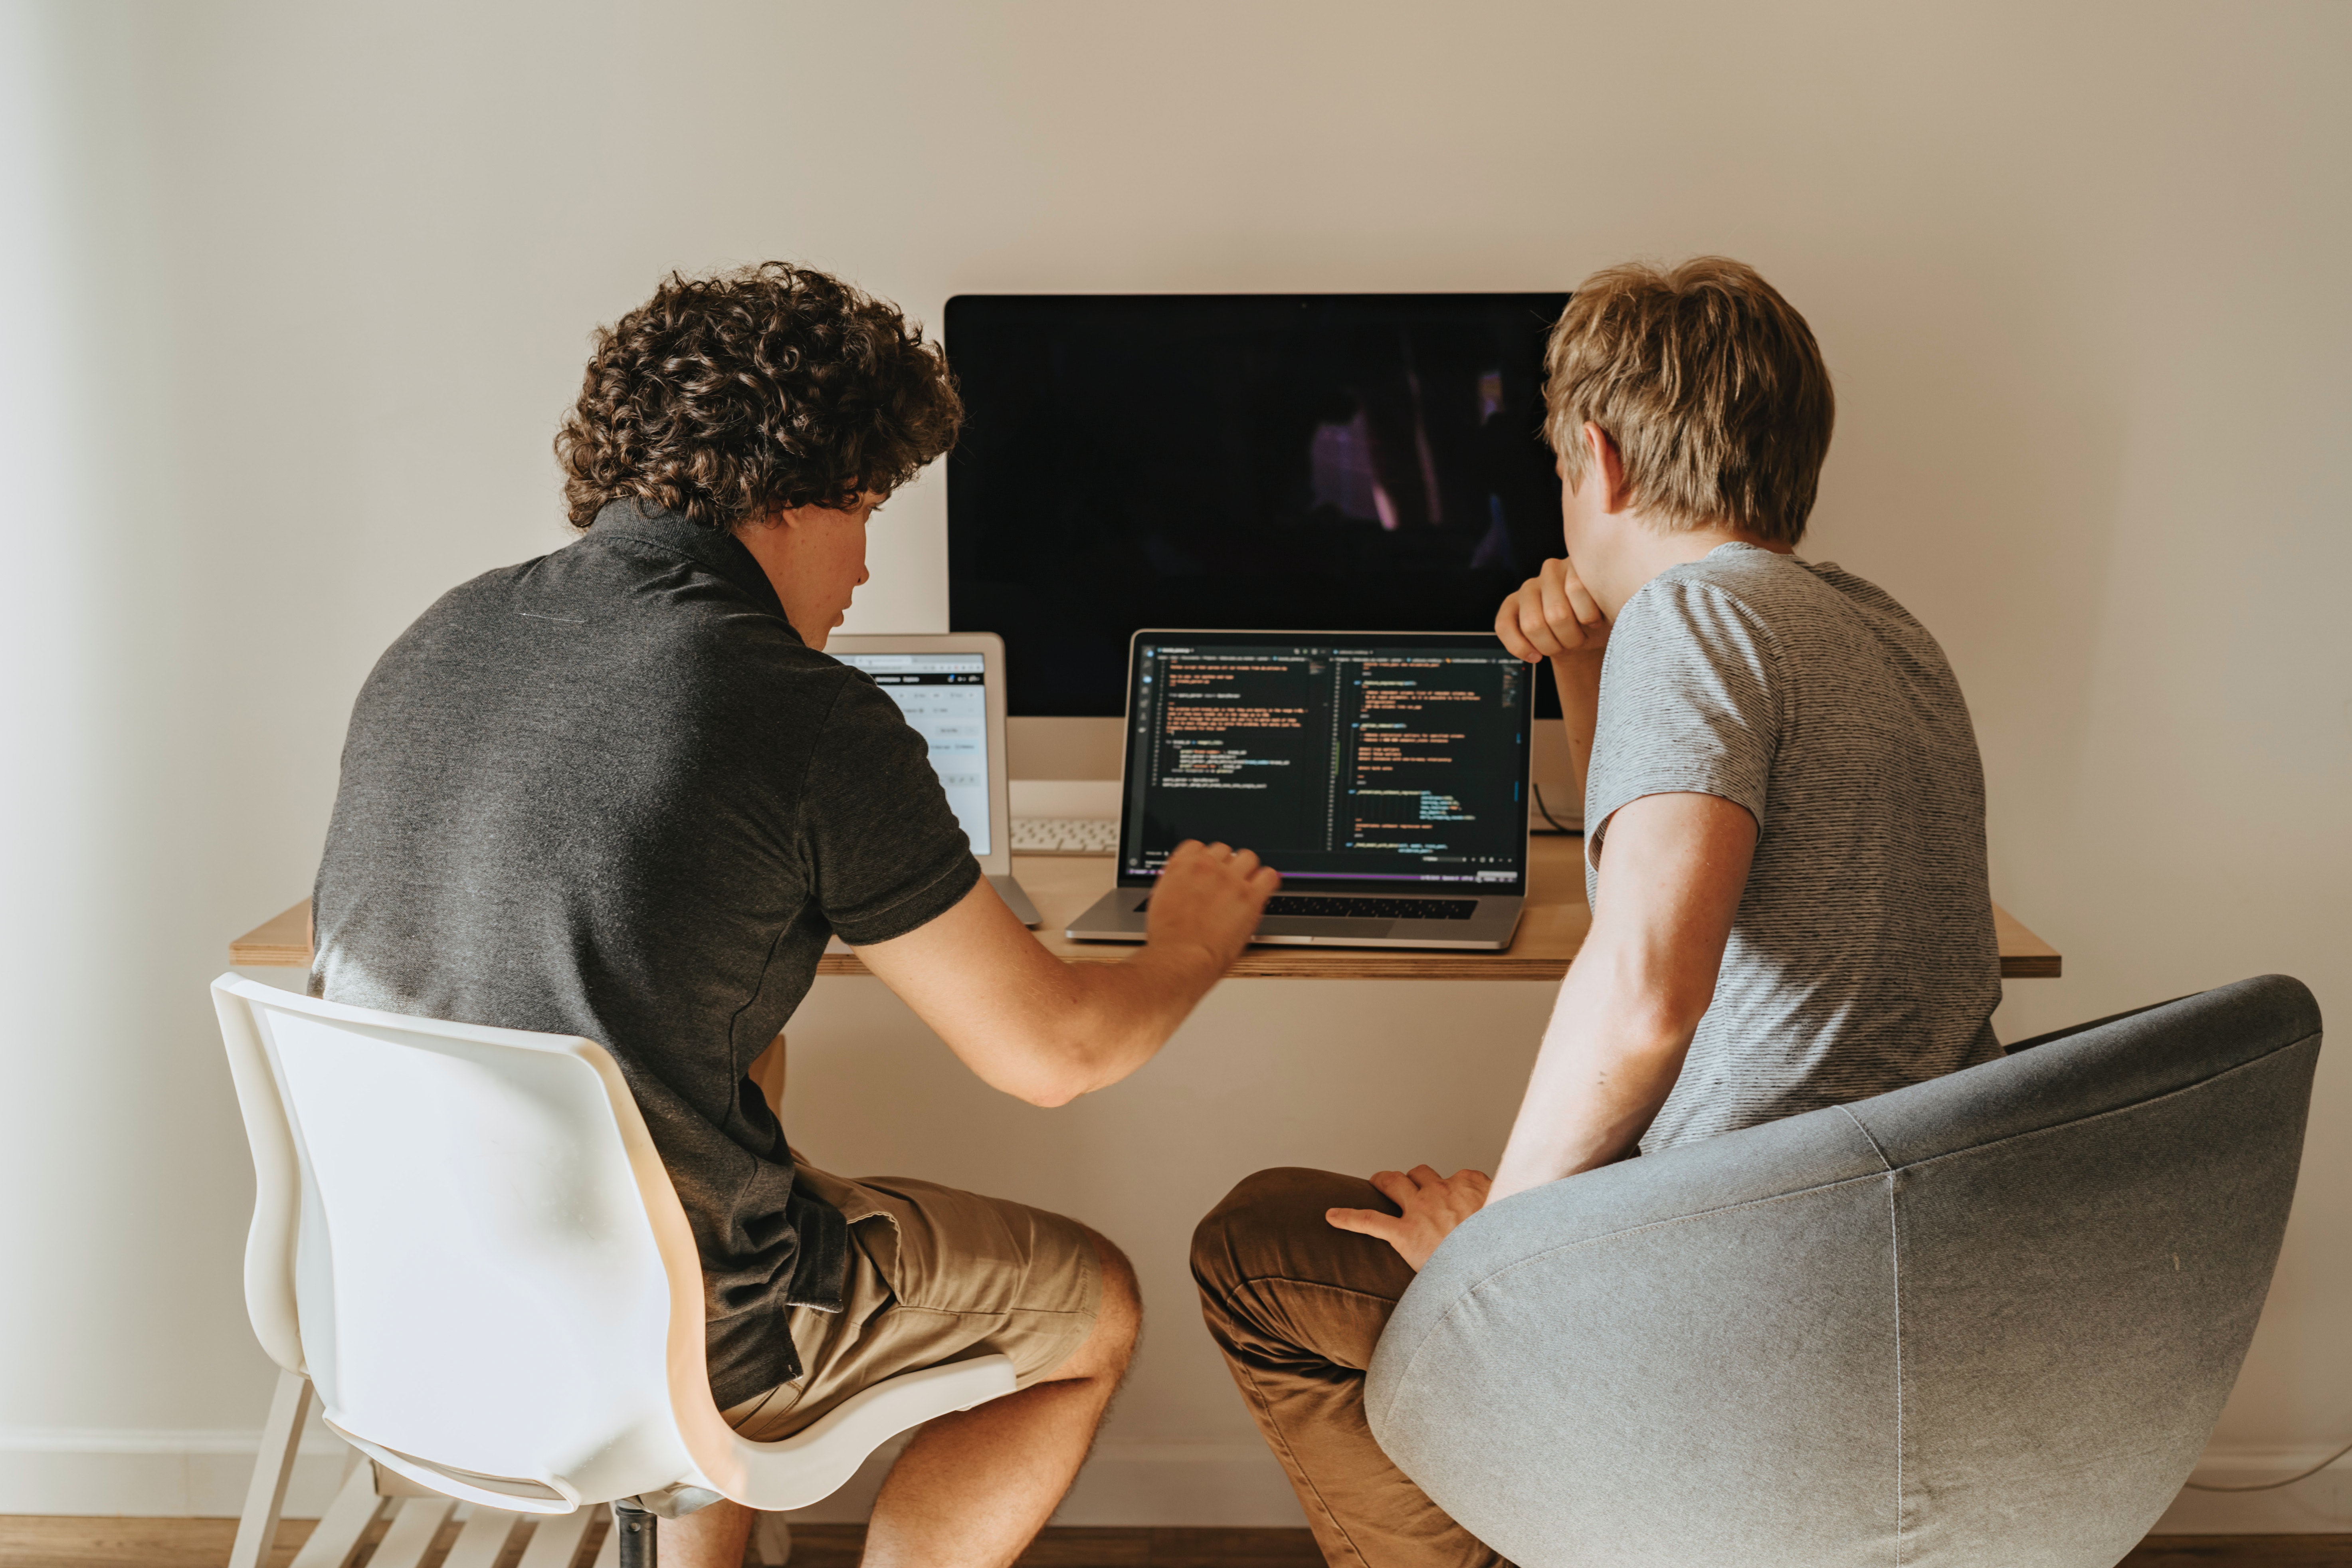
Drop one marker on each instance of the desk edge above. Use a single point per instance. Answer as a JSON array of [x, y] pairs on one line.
[[284, 940]]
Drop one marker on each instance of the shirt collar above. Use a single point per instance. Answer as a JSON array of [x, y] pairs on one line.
[[715, 548]]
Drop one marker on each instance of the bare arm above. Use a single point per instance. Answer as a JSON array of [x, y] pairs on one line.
[[1672, 874], [1577, 676], [1671, 879], [1046, 1031], [1554, 616]]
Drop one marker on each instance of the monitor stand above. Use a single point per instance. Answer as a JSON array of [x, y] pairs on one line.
[[1016, 900]]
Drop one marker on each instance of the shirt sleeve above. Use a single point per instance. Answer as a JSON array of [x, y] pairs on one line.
[[1690, 702], [886, 852]]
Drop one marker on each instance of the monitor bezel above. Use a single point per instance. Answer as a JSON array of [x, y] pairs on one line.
[[1382, 887]]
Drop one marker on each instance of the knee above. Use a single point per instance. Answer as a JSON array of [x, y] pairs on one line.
[[1234, 1240], [1110, 1344], [1118, 1320]]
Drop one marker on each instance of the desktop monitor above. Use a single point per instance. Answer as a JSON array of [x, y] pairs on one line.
[[1317, 462]]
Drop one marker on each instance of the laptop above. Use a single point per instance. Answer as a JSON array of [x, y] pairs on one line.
[[950, 687], [1383, 773]]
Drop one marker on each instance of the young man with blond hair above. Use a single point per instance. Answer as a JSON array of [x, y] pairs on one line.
[[1785, 855]]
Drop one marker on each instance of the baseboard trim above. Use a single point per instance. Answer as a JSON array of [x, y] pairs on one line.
[[202, 1474], [155, 1474]]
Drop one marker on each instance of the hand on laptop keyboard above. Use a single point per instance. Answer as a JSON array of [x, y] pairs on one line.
[[1064, 835]]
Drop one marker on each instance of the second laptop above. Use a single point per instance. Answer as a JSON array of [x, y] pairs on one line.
[[1383, 773]]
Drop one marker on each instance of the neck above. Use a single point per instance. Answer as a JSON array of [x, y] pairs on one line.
[[1645, 552]]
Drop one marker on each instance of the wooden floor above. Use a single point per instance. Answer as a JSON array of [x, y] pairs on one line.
[[83, 1542]]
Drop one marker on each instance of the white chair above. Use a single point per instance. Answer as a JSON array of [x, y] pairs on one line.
[[464, 1240]]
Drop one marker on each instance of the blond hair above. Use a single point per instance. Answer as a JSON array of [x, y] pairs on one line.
[[1710, 385]]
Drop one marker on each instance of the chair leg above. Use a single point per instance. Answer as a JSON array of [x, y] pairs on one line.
[[337, 1538], [488, 1534], [633, 1527], [771, 1540], [556, 1540], [265, 1495], [415, 1525]]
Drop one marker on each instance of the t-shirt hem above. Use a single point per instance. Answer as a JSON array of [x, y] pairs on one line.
[[1596, 821], [918, 909]]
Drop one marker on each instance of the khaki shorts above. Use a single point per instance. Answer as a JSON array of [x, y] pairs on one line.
[[935, 1274]]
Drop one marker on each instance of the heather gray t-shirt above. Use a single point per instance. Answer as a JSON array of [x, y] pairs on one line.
[[611, 792], [1862, 956]]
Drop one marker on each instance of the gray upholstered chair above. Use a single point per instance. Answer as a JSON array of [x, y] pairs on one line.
[[1987, 1320]]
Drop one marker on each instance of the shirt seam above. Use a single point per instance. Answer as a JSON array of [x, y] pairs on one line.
[[913, 894]]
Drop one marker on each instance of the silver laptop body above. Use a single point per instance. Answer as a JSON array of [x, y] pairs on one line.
[[950, 686], [1383, 773]]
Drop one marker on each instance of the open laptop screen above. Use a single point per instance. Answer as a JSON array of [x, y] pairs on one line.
[[1350, 763], [944, 696]]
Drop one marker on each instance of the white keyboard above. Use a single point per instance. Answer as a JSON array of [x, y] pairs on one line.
[[1064, 835]]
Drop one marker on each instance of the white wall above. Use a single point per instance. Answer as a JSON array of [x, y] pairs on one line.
[[294, 295]]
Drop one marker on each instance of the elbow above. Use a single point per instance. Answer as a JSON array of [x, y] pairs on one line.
[[1058, 1071], [1666, 1027], [1656, 1005], [1680, 1012], [1658, 1020]]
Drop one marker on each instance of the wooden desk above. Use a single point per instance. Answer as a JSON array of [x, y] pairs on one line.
[[1062, 886]]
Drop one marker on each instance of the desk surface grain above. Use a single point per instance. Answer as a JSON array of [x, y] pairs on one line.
[[1550, 931]]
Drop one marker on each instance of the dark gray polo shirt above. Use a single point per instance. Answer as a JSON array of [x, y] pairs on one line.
[[611, 792]]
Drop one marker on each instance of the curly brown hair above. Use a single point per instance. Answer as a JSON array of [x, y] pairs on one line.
[[728, 398]]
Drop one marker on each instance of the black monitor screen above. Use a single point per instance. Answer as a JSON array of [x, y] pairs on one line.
[[1317, 462], [1344, 761]]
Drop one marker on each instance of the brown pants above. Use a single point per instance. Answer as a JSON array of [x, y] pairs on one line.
[[1297, 1308]]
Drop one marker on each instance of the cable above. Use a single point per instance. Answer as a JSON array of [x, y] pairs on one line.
[[2274, 1486], [1557, 825]]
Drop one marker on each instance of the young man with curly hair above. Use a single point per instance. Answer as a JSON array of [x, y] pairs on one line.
[[620, 790], [1785, 856]]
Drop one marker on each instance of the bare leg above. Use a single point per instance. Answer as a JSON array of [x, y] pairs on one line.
[[973, 1489], [711, 1537]]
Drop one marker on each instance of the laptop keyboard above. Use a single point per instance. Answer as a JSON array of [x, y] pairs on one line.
[[1314, 907], [1064, 835]]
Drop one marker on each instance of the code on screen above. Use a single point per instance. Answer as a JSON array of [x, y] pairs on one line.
[[1334, 762]]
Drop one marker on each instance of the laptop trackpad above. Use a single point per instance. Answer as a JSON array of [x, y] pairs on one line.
[[1323, 926]]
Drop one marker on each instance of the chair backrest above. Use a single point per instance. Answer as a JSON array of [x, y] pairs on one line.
[[1991, 1318], [466, 1238]]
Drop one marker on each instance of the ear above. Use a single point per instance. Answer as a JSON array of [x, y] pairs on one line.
[[1605, 465]]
